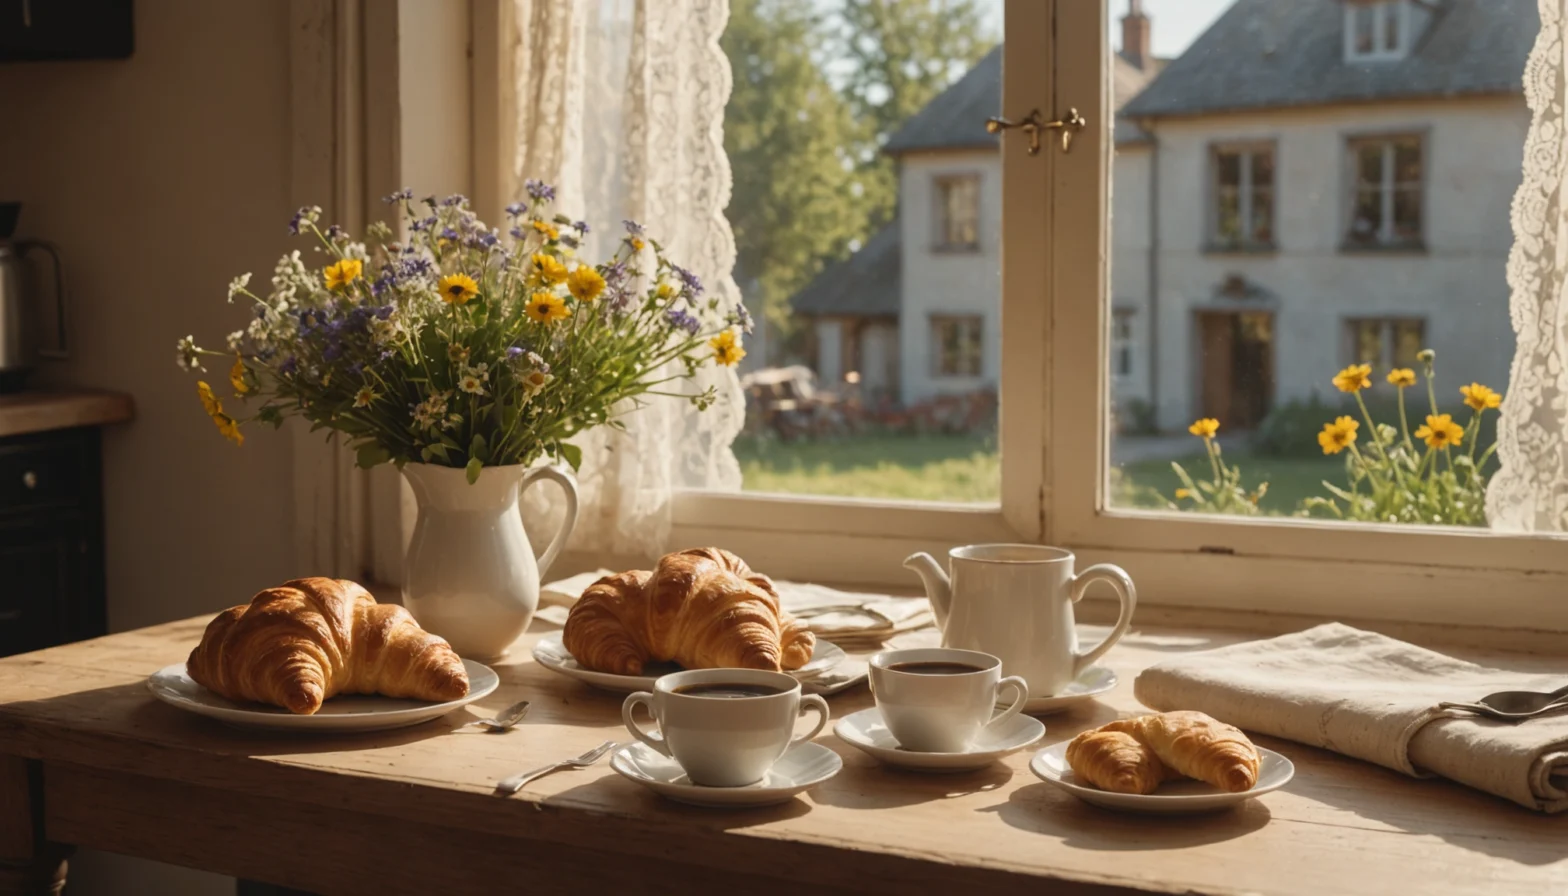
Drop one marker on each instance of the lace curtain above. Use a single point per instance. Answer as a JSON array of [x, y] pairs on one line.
[[621, 107], [1530, 491]]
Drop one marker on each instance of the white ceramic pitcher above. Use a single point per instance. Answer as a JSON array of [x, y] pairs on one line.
[[469, 574], [1016, 601]]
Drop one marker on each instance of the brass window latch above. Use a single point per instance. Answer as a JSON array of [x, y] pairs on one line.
[[1032, 125]]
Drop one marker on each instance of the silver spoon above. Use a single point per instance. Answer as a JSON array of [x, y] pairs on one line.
[[1522, 701], [509, 786], [505, 720]]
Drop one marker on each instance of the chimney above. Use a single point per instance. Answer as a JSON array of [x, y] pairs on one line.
[[1136, 35]]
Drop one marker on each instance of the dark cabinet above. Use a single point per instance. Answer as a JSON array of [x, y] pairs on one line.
[[51, 540]]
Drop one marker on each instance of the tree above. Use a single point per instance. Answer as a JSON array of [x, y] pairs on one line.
[[900, 54], [789, 136]]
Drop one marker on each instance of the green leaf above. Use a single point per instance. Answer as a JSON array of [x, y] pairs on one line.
[[474, 466], [370, 455], [476, 447], [570, 453]]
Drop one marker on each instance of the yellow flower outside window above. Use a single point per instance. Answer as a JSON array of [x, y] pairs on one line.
[[345, 271], [1440, 431], [1402, 377], [1206, 427], [1479, 397], [1354, 378], [1339, 435]]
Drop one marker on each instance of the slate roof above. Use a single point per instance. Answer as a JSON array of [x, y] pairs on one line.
[[1273, 53], [866, 284]]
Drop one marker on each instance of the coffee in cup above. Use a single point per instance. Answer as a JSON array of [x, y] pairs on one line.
[[939, 699]]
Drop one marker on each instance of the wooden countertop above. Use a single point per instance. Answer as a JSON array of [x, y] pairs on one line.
[[412, 810], [41, 410]]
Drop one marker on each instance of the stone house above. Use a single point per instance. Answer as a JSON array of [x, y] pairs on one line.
[[1309, 184]]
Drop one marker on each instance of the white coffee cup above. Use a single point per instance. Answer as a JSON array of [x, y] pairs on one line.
[[936, 711], [724, 741]]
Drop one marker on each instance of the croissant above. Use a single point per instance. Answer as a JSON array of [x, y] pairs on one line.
[[300, 644], [702, 609], [1199, 746], [1115, 761]]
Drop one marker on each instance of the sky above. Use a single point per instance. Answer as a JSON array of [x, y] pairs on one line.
[[1176, 23]]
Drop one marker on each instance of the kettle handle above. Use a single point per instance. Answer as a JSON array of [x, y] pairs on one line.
[[22, 248]]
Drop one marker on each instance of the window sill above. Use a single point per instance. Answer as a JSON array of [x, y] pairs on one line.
[[1416, 248], [1243, 249]]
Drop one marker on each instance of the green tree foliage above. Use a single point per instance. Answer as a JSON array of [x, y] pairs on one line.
[[788, 134]]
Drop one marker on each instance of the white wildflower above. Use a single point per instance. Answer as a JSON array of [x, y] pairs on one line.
[[471, 384], [238, 284], [356, 251], [234, 339], [383, 331], [480, 371], [189, 356], [533, 383]]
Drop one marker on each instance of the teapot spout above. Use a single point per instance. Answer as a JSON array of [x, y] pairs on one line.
[[938, 588]]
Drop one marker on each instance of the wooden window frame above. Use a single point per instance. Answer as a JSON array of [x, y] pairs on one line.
[[1388, 187], [936, 326], [1380, 18], [941, 185], [1386, 327]]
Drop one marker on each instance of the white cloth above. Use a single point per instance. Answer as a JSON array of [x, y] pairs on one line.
[[621, 106], [1530, 491], [1374, 698]]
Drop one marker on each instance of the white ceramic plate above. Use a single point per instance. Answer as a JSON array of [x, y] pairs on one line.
[[1173, 797], [865, 731], [803, 766], [346, 713], [553, 655], [1094, 681]]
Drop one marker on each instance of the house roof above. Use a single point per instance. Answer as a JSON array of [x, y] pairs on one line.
[[866, 284], [1274, 53], [955, 119]]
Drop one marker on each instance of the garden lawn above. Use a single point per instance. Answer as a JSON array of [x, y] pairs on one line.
[[1290, 479]]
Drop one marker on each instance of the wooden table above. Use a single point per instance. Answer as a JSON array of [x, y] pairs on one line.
[[88, 758]]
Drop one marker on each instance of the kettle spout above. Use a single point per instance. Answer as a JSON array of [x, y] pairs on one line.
[[938, 588]]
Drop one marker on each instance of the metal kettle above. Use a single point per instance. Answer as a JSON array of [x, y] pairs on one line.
[[21, 308]]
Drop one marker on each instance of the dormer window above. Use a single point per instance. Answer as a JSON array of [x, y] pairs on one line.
[[1377, 30]]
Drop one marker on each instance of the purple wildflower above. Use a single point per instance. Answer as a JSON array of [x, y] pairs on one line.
[[515, 209], [454, 199], [448, 233], [384, 312], [299, 216], [632, 227], [681, 319], [423, 224], [740, 317], [581, 227], [517, 233], [333, 351], [289, 366], [403, 195], [488, 240], [513, 352], [540, 190], [693, 285]]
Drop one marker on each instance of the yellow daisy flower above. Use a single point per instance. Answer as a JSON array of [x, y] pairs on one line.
[[364, 397], [548, 229], [726, 350], [1339, 435], [1440, 431], [342, 273], [1182, 494], [666, 290], [1354, 378], [585, 283], [636, 244], [229, 428], [1402, 377], [547, 308], [1205, 427], [549, 268], [457, 289], [209, 401], [237, 377], [1480, 397]]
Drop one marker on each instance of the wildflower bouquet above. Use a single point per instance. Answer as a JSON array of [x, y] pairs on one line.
[[463, 347], [1430, 475]]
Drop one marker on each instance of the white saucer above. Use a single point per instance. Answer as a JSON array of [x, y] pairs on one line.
[[865, 731], [804, 766], [1094, 681], [553, 655], [1173, 797], [355, 712]]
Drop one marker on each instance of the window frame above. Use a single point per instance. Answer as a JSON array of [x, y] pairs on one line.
[[937, 325], [1124, 342], [941, 187], [1387, 339], [1388, 188], [1245, 151], [1380, 19]]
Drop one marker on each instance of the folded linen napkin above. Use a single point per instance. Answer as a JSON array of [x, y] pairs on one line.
[[1375, 698], [848, 619]]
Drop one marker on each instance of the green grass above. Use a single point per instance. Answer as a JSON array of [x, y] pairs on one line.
[[966, 469], [960, 468]]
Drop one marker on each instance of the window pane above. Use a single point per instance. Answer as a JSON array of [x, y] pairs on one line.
[[1378, 159], [859, 188], [1227, 169]]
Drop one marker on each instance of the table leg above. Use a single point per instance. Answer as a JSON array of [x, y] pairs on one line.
[[29, 865]]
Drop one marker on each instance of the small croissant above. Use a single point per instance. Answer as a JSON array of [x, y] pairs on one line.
[[1201, 747], [702, 608], [1115, 761]]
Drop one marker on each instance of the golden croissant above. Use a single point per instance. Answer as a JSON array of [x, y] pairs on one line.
[[300, 644], [702, 609], [1199, 746], [1115, 761]]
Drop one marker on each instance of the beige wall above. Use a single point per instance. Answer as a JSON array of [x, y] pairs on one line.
[[161, 177]]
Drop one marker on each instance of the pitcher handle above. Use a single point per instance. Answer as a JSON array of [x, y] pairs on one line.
[[568, 484], [1119, 580]]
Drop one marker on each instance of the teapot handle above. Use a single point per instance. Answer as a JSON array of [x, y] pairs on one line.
[[1118, 579], [22, 248]]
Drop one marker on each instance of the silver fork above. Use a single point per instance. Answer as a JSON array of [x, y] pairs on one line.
[[509, 786]]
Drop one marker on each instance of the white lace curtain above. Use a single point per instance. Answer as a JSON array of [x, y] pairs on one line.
[[1530, 491], [621, 107]]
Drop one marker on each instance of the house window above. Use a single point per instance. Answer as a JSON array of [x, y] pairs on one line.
[[1386, 193], [1121, 341], [1385, 343], [1243, 197], [958, 213], [1375, 30], [955, 342]]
